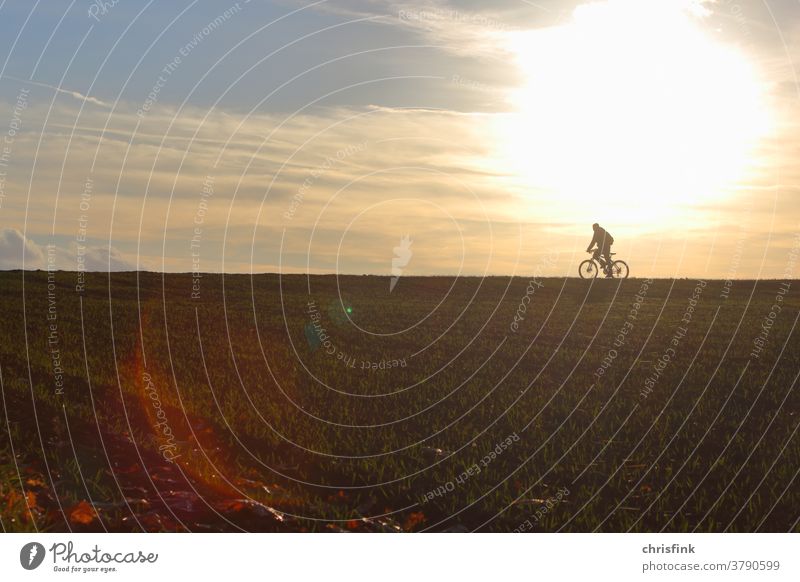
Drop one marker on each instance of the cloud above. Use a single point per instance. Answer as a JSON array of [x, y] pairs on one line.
[[16, 248], [358, 178], [109, 258], [73, 94], [458, 28]]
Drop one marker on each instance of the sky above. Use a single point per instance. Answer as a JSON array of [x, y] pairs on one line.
[[282, 136]]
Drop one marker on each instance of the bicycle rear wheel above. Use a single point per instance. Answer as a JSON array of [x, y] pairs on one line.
[[619, 270], [588, 269]]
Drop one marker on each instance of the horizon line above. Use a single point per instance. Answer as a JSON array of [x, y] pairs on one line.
[[230, 273]]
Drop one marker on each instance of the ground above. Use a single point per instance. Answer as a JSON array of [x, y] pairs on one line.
[[157, 402]]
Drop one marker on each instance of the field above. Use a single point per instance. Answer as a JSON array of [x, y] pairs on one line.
[[156, 402]]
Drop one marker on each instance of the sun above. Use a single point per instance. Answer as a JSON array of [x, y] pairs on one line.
[[632, 103]]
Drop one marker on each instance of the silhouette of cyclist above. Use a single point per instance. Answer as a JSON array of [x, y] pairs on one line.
[[603, 240]]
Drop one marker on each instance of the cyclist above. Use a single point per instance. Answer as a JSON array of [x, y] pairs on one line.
[[603, 239]]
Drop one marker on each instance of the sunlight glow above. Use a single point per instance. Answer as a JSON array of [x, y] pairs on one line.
[[632, 100]]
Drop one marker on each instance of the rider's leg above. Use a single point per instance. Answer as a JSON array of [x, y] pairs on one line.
[[598, 256], [607, 254]]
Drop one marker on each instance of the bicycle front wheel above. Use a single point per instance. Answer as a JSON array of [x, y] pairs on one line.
[[588, 269], [619, 270]]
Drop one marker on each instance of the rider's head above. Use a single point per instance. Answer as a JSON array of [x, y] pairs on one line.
[[595, 226]]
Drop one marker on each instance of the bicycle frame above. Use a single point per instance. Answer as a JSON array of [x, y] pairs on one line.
[[598, 257]]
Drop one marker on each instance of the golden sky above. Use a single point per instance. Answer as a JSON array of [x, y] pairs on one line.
[[313, 137]]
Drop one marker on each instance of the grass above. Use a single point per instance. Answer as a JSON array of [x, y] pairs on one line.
[[371, 420]]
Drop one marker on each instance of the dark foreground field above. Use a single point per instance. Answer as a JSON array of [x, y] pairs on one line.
[[159, 403]]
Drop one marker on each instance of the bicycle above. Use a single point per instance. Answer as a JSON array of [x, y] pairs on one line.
[[589, 268]]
